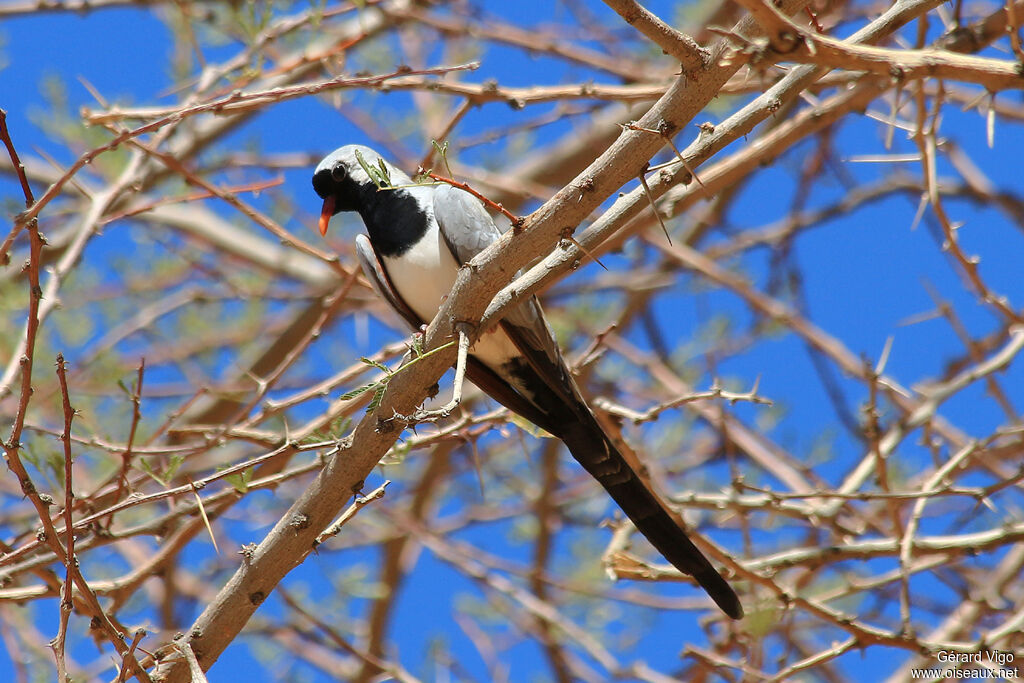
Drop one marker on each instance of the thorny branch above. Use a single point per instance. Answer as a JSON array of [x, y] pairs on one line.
[[688, 342]]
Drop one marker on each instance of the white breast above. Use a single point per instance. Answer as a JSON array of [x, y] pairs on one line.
[[423, 277]]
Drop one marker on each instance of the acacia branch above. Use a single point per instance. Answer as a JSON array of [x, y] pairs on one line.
[[794, 43]]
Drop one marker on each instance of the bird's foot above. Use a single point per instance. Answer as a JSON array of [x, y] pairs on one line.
[[433, 415], [447, 409]]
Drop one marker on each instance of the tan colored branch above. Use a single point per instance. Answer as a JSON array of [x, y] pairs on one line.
[[793, 43], [681, 46]]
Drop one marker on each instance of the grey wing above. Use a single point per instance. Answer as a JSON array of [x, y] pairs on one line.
[[466, 226], [468, 229], [378, 278]]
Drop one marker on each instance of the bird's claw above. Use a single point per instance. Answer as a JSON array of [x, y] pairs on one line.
[[434, 415]]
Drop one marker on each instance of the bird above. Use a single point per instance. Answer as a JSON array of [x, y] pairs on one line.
[[418, 236]]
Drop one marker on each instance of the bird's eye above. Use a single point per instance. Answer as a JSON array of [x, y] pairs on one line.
[[338, 172]]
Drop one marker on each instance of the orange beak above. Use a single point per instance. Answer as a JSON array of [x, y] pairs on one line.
[[325, 214]]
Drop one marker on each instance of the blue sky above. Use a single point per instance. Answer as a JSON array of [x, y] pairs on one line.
[[865, 276]]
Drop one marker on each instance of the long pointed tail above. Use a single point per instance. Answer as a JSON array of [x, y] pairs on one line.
[[592, 449]]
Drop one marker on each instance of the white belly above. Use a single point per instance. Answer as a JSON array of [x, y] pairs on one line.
[[424, 277]]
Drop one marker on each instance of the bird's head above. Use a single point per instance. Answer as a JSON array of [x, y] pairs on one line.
[[342, 180]]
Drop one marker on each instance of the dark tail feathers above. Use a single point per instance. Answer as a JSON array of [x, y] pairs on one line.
[[602, 460]]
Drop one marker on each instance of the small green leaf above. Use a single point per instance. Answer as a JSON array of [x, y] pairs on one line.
[[417, 345], [357, 391], [377, 364], [146, 467], [332, 431], [442, 150], [174, 465], [380, 175], [377, 396], [240, 480]]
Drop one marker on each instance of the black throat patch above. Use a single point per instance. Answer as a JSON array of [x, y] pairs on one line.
[[394, 220]]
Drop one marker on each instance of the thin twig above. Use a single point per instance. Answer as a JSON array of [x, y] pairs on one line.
[[516, 221], [66, 603]]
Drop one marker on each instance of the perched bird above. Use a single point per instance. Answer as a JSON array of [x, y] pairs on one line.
[[419, 235]]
